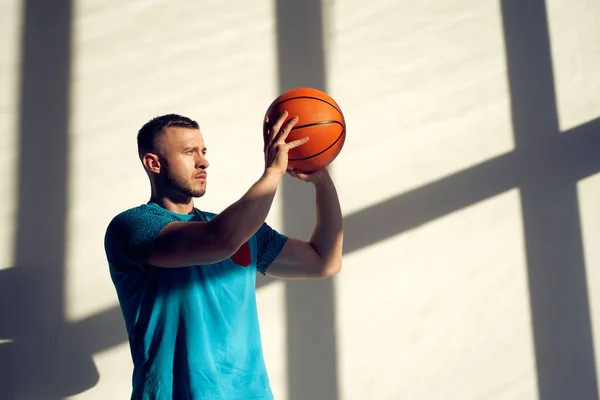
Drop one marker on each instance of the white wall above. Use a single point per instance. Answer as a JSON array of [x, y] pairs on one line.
[[434, 299]]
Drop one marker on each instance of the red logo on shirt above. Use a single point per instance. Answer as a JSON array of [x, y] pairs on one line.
[[242, 256]]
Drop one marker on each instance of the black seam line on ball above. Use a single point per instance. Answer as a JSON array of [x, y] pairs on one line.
[[332, 121], [308, 97], [323, 151]]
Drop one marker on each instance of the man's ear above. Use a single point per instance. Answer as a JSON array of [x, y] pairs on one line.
[[151, 162]]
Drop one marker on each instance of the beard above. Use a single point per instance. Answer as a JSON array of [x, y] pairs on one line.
[[182, 186]]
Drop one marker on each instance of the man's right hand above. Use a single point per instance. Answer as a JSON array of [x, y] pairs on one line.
[[275, 148]]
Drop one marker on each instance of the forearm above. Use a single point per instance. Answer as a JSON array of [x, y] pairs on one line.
[[242, 219], [327, 236]]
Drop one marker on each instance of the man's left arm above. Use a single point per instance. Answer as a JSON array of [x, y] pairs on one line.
[[321, 256]]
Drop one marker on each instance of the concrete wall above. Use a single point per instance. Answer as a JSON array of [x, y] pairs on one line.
[[469, 183]]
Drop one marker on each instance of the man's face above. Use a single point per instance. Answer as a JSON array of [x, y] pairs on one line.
[[184, 164]]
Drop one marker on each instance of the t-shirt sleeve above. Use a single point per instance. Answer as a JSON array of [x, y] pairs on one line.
[[269, 243], [129, 237]]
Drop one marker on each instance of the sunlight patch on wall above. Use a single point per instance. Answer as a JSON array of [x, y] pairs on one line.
[[115, 369], [589, 198], [441, 311], [10, 78], [424, 91], [574, 31]]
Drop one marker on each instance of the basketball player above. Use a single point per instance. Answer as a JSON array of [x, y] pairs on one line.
[[185, 277]]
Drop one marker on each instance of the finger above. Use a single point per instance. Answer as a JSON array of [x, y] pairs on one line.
[[269, 133], [292, 172], [277, 125], [285, 131], [266, 127], [303, 176], [266, 132], [296, 143], [299, 175], [273, 133]]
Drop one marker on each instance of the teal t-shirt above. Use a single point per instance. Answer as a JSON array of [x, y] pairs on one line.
[[193, 331]]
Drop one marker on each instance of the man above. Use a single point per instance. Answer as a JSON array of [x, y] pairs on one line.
[[185, 278]]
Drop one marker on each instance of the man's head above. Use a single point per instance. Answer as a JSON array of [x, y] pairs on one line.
[[172, 151]]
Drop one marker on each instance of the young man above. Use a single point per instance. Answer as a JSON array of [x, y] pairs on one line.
[[185, 278]]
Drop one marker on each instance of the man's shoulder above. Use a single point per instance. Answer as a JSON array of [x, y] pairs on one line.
[[129, 212], [145, 214], [138, 216], [134, 227]]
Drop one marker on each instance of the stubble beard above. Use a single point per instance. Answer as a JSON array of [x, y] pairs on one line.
[[182, 186]]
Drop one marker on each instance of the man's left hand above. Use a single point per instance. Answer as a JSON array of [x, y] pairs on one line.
[[312, 177]]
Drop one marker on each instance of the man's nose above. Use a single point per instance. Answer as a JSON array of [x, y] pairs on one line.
[[202, 162]]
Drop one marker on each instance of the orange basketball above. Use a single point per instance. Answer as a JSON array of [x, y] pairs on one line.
[[320, 118]]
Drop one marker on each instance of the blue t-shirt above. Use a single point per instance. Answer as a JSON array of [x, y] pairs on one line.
[[193, 331]]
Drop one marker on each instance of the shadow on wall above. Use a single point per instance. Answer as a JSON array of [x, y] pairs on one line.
[[49, 358], [310, 310], [46, 358], [545, 166], [550, 164]]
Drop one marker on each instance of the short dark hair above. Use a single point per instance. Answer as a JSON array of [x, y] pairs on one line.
[[149, 133]]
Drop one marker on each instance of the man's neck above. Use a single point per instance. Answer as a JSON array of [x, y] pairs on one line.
[[176, 207]]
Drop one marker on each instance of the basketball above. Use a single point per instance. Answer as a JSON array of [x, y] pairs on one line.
[[320, 118]]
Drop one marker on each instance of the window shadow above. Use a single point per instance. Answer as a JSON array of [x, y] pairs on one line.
[[42, 360], [562, 331], [545, 166], [311, 341], [49, 358]]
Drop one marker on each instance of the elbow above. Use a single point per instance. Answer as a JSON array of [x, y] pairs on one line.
[[230, 246], [227, 242], [330, 269]]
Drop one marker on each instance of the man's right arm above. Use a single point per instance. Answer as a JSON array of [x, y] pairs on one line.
[[182, 244]]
